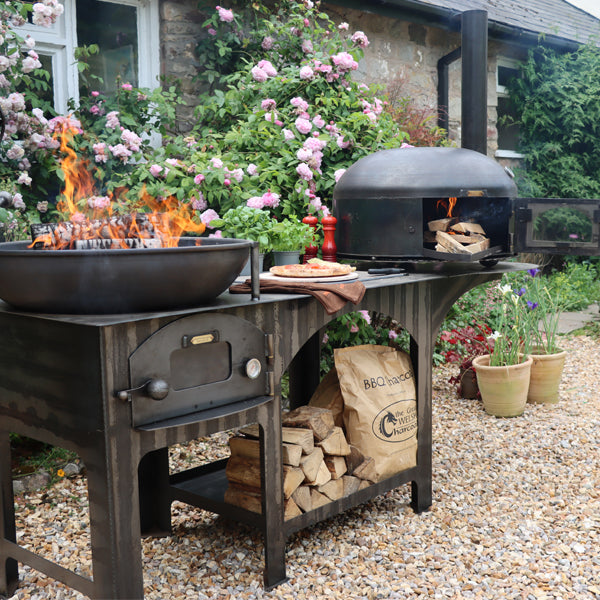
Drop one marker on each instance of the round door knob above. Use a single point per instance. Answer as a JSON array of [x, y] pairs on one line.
[[157, 389]]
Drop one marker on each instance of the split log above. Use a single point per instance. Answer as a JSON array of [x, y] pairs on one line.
[[364, 483], [351, 484], [246, 471], [251, 499], [329, 395], [301, 497], [366, 470], [336, 465], [333, 489], [317, 499], [354, 459], [478, 246], [311, 463], [291, 454], [290, 435], [290, 509], [243, 446], [440, 224], [318, 420], [466, 227], [335, 443], [323, 475], [243, 496], [447, 243]]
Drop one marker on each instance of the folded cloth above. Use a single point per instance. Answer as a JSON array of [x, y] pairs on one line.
[[333, 296]]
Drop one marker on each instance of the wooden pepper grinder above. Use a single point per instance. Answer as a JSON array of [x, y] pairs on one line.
[[329, 249], [310, 251]]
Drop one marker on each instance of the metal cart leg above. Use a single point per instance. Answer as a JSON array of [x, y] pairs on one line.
[[155, 500], [115, 521], [9, 571], [272, 497]]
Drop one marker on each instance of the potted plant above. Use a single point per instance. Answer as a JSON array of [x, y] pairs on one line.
[[503, 375], [289, 238], [548, 357], [247, 223]]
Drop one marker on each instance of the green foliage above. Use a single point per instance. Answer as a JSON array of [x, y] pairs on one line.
[[291, 235], [247, 223], [556, 98], [361, 327]]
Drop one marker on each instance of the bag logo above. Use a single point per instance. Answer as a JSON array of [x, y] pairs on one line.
[[396, 423]]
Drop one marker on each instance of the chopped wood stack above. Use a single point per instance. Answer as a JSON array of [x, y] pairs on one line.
[[319, 465], [458, 237]]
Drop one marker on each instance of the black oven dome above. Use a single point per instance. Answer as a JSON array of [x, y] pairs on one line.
[[424, 173]]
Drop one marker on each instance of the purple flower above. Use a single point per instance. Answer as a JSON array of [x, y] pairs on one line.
[[392, 335], [534, 272], [520, 292], [573, 236], [531, 304], [212, 31], [267, 43]]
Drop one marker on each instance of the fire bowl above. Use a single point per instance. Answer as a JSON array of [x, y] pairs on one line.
[[111, 281]]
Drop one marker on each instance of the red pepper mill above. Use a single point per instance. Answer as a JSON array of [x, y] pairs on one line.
[[329, 249], [310, 251]]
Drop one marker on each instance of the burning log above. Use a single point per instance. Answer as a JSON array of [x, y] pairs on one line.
[[458, 237]]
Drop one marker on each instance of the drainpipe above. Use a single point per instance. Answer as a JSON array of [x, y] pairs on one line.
[[442, 87], [474, 80]]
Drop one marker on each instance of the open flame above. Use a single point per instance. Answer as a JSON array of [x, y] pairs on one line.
[[447, 205], [91, 222]]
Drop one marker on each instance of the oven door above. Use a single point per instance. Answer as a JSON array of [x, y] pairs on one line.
[[557, 226]]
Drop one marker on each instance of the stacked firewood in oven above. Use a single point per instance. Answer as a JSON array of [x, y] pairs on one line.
[[319, 466], [456, 237]]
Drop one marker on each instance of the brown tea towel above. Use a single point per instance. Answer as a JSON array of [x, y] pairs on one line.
[[333, 296]]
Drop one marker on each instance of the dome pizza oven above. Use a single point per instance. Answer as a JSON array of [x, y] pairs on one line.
[[451, 204]]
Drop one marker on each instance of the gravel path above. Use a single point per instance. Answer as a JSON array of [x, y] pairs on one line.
[[516, 514]]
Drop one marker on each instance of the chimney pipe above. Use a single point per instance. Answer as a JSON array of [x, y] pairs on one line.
[[474, 41]]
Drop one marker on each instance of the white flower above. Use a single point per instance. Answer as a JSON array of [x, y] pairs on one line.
[[494, 336], [505, 289]]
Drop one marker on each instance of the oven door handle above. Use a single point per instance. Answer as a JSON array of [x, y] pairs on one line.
[[157, 389]]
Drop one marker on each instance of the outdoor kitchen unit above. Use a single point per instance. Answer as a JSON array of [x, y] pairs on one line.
[[389, 203]]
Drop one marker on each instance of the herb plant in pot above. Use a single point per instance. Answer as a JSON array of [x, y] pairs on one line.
[[289, 238], [247, 223], [503, 376]]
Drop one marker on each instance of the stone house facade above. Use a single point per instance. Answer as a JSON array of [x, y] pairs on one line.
[[407, 39]]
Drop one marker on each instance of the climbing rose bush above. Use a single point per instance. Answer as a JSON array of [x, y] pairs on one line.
[[282, 118]]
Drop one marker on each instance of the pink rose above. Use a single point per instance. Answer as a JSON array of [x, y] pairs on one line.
[[303, 125], [225, 14]]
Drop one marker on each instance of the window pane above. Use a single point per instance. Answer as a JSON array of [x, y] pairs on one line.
[[114, 28], [505, 74], [508, 135]]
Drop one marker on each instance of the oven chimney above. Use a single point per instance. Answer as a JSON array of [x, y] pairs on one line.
[[474, 40]]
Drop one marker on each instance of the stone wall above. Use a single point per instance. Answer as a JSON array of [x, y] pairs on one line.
[[399, 51]]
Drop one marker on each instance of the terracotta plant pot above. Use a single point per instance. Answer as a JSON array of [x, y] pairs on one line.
[[503, 389], [546, 373]]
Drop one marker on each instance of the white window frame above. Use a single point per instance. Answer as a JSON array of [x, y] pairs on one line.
[[502, 92], [60, 40]]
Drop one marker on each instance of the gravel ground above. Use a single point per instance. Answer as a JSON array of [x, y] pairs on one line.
[[516, 514]]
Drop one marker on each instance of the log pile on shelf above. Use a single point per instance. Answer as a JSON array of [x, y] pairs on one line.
[[456, 237], [319, 466]]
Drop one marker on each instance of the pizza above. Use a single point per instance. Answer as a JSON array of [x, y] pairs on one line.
[[313, 268]]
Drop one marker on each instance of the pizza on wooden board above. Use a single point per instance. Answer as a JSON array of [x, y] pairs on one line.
[[313, 268]]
